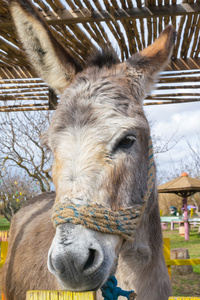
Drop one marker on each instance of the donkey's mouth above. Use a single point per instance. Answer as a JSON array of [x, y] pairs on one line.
[[73, 279], [83, 283]]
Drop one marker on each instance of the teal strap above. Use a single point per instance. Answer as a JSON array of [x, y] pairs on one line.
[[110, 291]]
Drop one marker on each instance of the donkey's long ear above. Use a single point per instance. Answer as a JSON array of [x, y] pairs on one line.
[[150, 61], [51, 60]]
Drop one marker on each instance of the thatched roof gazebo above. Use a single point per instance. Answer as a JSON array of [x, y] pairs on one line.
[[82, 25], [183, 186]]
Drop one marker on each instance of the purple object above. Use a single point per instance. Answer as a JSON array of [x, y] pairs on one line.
[[191, 206]]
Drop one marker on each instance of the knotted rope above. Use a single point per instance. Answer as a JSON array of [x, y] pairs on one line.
[[96, 217], [110, 291]]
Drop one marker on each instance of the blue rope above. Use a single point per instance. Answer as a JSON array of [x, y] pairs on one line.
[[110, 291]]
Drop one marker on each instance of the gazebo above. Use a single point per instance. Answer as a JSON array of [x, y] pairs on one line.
[[183, 186]]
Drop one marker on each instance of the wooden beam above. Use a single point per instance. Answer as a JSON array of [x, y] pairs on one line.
[[23, 109], [168, 102], [53, 100], [23, 105], [181, 87], [173, 100], [183, 64], [179, 79], [31, 97], [84, 15], [180, 94]]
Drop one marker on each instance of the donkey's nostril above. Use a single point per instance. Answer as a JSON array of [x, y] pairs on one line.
[[58, 265], [90, 259]]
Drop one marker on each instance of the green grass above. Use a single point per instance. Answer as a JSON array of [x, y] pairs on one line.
[[4, 224]]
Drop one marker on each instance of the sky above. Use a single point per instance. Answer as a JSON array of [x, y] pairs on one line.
[[182, 121]]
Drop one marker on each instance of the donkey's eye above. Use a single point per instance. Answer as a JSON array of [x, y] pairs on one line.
[[126, 142]]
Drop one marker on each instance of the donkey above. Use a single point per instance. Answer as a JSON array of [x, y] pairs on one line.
[[99, 139]]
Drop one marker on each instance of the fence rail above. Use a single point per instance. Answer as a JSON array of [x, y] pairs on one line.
[[184, 298], [4, 234], [59, 295], [176, 262], [4, 250]]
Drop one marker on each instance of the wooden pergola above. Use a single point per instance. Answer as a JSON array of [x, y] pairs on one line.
[[128, 25]]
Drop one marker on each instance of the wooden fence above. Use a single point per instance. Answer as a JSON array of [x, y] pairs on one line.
[[4, 234], [176, 262]]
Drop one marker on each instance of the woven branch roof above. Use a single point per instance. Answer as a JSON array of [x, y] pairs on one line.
[[129, 25], [183, 186]]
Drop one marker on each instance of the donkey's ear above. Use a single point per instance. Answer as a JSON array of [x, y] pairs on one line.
[[51, 60], [150, 61]]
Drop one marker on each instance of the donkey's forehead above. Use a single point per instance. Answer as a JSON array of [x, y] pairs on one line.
[[100, 94], [103, 102]]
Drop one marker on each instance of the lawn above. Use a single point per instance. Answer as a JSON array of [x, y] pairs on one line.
[[4, 224]]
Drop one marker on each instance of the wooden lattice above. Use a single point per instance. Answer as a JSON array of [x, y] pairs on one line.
[[127, 25]]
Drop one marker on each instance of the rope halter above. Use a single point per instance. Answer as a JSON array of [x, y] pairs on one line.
[[96, 217]]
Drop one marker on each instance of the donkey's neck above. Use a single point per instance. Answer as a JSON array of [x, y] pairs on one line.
[[152, 277], [141, 265]]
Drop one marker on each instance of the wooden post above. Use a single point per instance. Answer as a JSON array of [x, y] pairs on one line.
[[2, 296], [53, 100], [181, 253], [4, 250], [186, 225], [59, 295], [172, 225], [166, 252]]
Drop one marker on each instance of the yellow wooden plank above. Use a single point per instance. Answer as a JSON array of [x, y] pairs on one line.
[[181, 262], [4, 250], [184, 298], [166, 252], [84, 296], [59, 295], [166, 248]]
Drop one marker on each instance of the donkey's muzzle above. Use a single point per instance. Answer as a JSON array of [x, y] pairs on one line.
[[74, 257]]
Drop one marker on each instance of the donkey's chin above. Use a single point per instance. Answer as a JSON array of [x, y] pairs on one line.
[[83, 283], [82, 259]]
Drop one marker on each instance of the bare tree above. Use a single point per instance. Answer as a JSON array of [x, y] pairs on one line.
[[194, 161], [190, 164], [162, 145], [20, 146], [16, 189]]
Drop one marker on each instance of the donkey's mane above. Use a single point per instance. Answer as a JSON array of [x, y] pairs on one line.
[[104, 57]]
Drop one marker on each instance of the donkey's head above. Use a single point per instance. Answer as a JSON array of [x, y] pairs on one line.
[[99, 139]]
